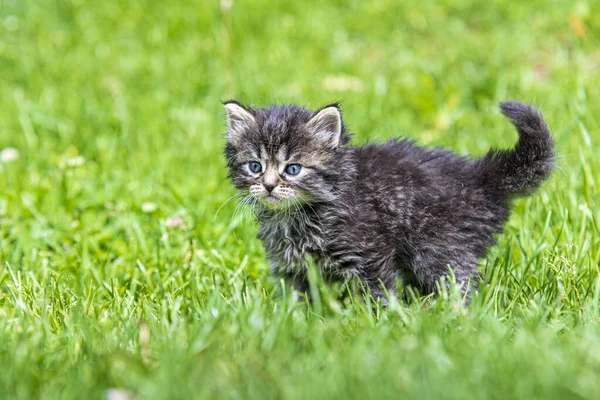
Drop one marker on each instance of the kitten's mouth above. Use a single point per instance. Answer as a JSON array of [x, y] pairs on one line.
[[273, 202]]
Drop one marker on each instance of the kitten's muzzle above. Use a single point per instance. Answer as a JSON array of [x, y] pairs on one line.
[[269, 187]]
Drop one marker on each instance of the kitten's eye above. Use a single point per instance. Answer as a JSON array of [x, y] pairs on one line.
[[293, 169], [255, 167]]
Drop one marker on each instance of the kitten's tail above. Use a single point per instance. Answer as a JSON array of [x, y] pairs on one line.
[[520, 171]]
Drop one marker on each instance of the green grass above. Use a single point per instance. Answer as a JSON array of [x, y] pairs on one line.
[[99, 291]]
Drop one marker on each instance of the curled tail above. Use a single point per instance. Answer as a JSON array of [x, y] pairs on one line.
[[520, 171]]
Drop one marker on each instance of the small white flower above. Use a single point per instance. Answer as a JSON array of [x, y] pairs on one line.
[[149, 207], [118, 394], [76, 161], [226, 5], [175, 222], [8, 155]]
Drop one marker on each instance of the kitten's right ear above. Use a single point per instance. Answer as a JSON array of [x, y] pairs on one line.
[[239, 120]]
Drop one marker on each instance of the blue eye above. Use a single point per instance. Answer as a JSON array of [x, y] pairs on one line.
[[255, 167], [293, 169]]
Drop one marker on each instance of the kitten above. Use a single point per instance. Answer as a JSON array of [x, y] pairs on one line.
[[376, 212]]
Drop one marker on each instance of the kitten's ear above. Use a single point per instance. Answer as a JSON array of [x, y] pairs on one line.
[[327, 125], [239, 120]]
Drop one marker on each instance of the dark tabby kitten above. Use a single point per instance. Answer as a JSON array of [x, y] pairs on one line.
[[377, 212]]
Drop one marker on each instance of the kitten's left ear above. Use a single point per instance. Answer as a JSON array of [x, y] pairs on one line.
[[239, 120], [327, 125]]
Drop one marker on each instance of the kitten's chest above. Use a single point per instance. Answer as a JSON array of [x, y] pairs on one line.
[[289, 243]]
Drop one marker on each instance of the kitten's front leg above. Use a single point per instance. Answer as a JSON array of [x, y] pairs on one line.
[[299, 282], [296, 279]]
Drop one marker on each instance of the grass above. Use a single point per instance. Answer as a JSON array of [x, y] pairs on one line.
[[117, 271]]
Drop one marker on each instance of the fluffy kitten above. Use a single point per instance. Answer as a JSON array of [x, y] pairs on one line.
[[377, 212]]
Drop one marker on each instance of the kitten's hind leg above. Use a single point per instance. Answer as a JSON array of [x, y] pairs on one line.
[[430, 267], [377, 288]]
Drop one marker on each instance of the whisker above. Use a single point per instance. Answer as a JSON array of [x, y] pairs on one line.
[[238, 194], [307, 203], [300, 211], [240, 206]]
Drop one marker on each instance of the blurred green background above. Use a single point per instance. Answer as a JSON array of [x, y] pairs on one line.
[[120, 269]]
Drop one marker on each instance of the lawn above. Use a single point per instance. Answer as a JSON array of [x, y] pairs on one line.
[[123, 266]]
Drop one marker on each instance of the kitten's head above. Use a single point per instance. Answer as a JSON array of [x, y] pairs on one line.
[[284, 155]]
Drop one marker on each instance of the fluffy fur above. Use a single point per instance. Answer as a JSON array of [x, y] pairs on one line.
[[377, 212]]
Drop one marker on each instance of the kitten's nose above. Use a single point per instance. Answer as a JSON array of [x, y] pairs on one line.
[[269, 187]]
